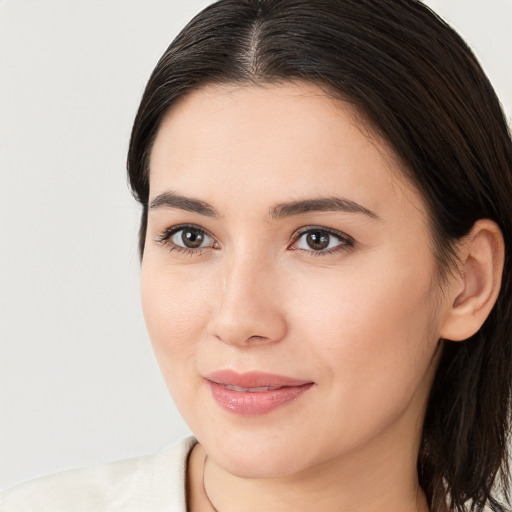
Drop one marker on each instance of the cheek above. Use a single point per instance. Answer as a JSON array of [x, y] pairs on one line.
[[175, 309], [374, 335], [367, 301]]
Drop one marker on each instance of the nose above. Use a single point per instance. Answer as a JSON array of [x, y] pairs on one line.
[[248, 311]]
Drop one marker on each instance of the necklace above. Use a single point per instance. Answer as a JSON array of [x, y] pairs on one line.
[[204, 486]]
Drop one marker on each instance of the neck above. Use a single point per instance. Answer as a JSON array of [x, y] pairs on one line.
[[369, 480]]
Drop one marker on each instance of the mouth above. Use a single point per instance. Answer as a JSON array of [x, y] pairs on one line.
[[254, 393], [260, 389]]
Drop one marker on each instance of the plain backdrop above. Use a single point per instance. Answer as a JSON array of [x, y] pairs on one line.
[[79, 384]]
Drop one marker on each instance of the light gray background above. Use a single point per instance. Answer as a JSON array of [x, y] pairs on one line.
[[78, 381]]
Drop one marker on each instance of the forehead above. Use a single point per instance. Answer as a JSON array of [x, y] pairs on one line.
[[263, 142]]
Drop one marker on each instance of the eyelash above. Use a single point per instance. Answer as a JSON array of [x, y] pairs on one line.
[[165, 239], [346, 242]]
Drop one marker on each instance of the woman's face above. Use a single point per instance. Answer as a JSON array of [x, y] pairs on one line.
[[288, 283]]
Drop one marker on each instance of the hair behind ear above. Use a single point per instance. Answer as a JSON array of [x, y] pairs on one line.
[[463, 434], [464, 430]]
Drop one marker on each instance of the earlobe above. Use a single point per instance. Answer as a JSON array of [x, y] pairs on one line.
[[475, 288]]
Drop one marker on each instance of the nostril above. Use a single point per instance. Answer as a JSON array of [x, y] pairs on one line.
[[255, 330], [257, 338]]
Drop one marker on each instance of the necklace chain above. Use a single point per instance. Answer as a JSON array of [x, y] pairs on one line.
[[204, 486]]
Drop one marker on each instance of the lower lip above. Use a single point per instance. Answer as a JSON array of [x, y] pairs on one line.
[[247, 403]]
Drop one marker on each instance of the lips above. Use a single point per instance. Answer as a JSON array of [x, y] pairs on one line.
[[251, 390], [254, 393]]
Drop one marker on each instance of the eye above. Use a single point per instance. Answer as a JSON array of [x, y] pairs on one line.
[[191, 238], [321, 241], [187, 238]]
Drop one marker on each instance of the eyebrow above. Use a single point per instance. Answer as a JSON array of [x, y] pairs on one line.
[[321, 204], [173, 200], [279, 211]]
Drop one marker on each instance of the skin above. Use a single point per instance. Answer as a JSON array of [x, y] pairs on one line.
[[361, 320]]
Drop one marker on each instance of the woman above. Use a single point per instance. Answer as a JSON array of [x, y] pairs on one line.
[[325, 189]]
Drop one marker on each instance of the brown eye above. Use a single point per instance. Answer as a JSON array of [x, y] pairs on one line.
[[191, 238], [322, 241], [318, 240]]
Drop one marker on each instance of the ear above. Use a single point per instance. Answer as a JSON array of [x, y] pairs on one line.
[[474, 289]]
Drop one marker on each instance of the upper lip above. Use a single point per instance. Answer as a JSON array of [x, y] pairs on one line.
[[254, 379]]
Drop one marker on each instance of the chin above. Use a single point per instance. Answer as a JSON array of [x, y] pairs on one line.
[[252, 466], [249, 454]]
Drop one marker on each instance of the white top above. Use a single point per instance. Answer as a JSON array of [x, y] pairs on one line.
[[152, 483]]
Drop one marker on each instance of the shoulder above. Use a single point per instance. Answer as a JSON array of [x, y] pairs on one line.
[[153, 482]]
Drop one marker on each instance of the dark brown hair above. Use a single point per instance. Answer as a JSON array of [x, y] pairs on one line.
[[422, 89]]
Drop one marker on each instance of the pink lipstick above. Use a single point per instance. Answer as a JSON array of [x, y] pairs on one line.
[[254, 393]]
